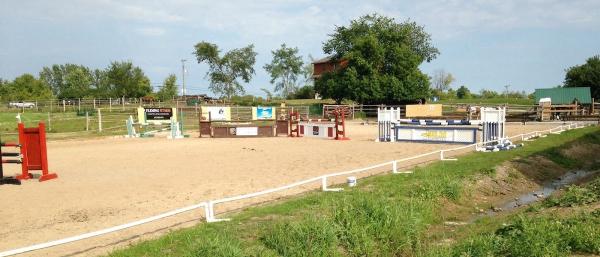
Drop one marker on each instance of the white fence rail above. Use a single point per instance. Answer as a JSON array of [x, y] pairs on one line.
[[209, 205]]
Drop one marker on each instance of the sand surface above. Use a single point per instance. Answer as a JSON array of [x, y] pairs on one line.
[[108, 182]]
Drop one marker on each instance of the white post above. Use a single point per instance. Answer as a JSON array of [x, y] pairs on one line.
[[123, 102], [87, 121], [94, 103], [110, 104], [443, 158], [394, 167], [207, 213], [63, 105], [99, 120], [49, 122], [79, 104], [324, 183]]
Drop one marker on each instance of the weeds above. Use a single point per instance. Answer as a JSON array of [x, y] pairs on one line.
[[309, 237], [576, 195], [538, 236]]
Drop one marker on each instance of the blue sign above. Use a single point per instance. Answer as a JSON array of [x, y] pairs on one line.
[[264, 113]]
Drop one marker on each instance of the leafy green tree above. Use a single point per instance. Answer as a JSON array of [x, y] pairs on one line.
[[284, 69], [127, 80], [450, 94], [463, 92], [68, 81], [305, 92], [383, 59], [27, 87], [485, 93], [585, 75], [3, 89], [100, 87], [168, 89], [224, 71]]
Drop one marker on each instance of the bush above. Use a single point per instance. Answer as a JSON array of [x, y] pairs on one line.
[[576, 195], [537, 236], [305, 92]]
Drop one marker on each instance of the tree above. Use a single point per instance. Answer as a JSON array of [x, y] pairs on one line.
[[124, 79], [383, 59], [485, 93], [450, 94], [168, 89], [305, 92], [463, 92], [68, 81], [100, 87], [27, 87], [285, 68], [225, 71], [441, 80], [307, 72], [585, 75], [268, 94]]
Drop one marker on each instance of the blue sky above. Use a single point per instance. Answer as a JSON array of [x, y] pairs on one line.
[[485, 44]]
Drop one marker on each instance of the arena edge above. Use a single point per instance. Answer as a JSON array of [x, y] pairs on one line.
[[384, 214]]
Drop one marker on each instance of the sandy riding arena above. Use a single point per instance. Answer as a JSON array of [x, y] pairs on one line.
[[107, 182]]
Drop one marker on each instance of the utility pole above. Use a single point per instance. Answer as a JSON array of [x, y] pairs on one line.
[[506, 91], [183, 92], [183, 77]]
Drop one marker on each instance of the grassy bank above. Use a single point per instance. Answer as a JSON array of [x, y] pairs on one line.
[[389, 215]]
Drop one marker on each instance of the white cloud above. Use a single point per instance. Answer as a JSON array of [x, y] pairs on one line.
[[68, 10], [141, 12], [453, 17], [151, 31]]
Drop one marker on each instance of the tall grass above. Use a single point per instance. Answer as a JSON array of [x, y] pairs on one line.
[[536, 236]]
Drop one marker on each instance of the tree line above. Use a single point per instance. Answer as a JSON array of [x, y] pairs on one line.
[[71, 81]]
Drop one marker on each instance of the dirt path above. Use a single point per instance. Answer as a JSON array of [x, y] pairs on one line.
[[108, 182]]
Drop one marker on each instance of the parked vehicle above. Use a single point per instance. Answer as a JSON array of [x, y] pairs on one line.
[[21, 105]]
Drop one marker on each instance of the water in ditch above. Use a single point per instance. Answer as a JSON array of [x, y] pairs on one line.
[[546, 190]]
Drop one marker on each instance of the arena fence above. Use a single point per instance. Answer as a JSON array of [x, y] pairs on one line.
[[208, 206]]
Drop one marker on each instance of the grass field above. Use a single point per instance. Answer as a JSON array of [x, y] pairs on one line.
[[65, 125], [395, 215]]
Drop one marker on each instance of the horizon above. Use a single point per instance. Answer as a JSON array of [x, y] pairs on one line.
[[485, 45]]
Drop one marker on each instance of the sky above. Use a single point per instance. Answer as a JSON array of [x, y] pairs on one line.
[[526, 44]]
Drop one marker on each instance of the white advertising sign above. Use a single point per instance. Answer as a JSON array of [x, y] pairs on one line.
[[246, 131]]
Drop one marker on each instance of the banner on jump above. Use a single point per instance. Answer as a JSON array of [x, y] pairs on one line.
[[246, 131], [156, 115], [436, 134], [424, 110], [263, 113], [216, 113]]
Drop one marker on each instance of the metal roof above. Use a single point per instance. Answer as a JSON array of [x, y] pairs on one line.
[[564, 95], [323, 60]]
